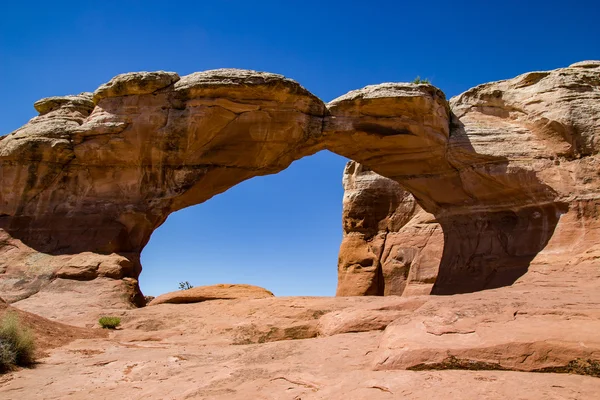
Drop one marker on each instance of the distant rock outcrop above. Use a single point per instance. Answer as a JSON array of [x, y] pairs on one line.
[[214, 292], [509, 171]]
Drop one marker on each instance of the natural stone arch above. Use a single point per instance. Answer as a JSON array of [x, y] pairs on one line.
[[86, 182]]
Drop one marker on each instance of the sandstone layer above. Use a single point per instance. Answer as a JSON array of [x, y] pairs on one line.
[[86, 182], [525, 153], [213, 292], [482, 345], [391, 246], [509, 171]]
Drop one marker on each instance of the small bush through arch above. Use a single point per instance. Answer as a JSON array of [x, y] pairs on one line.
[[185, 285]]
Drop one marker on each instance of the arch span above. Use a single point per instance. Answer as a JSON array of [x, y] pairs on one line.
[[86, 182]]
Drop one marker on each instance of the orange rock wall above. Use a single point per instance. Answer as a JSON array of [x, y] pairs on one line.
[[477, 190]]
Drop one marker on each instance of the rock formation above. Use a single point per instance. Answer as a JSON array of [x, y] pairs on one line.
[[213, 292], [509, 170], [525, 153], [391, 246], [85, 183], [545, 126]]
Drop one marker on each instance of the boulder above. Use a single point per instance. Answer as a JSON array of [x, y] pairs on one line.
[[214, 292], [550, 328]]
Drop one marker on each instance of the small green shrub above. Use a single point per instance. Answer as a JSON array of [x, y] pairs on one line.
[[17, 346], [419, 81], [185, 285], [109, 322]]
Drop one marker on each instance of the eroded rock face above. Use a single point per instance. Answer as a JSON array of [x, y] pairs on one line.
[[523, 328], [546, 127], [84, 178], [499, 168], [391, 246], [524, 159]]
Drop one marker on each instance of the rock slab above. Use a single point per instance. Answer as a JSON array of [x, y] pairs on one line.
[[213, 292]]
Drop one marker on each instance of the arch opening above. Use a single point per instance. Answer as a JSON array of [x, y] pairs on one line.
[[280, 232]]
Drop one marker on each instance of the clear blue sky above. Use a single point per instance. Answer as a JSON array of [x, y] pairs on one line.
[[283, 231]]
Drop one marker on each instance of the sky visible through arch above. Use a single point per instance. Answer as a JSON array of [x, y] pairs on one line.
[[281, 231]]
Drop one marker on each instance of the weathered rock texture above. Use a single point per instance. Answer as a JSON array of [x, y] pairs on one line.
[[479, 345], [391, 246], [544, 130], [84, 184], [522, 183], [49, 334], [213, 292]]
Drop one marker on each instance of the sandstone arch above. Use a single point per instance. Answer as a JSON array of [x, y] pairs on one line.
[[86, 182]]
